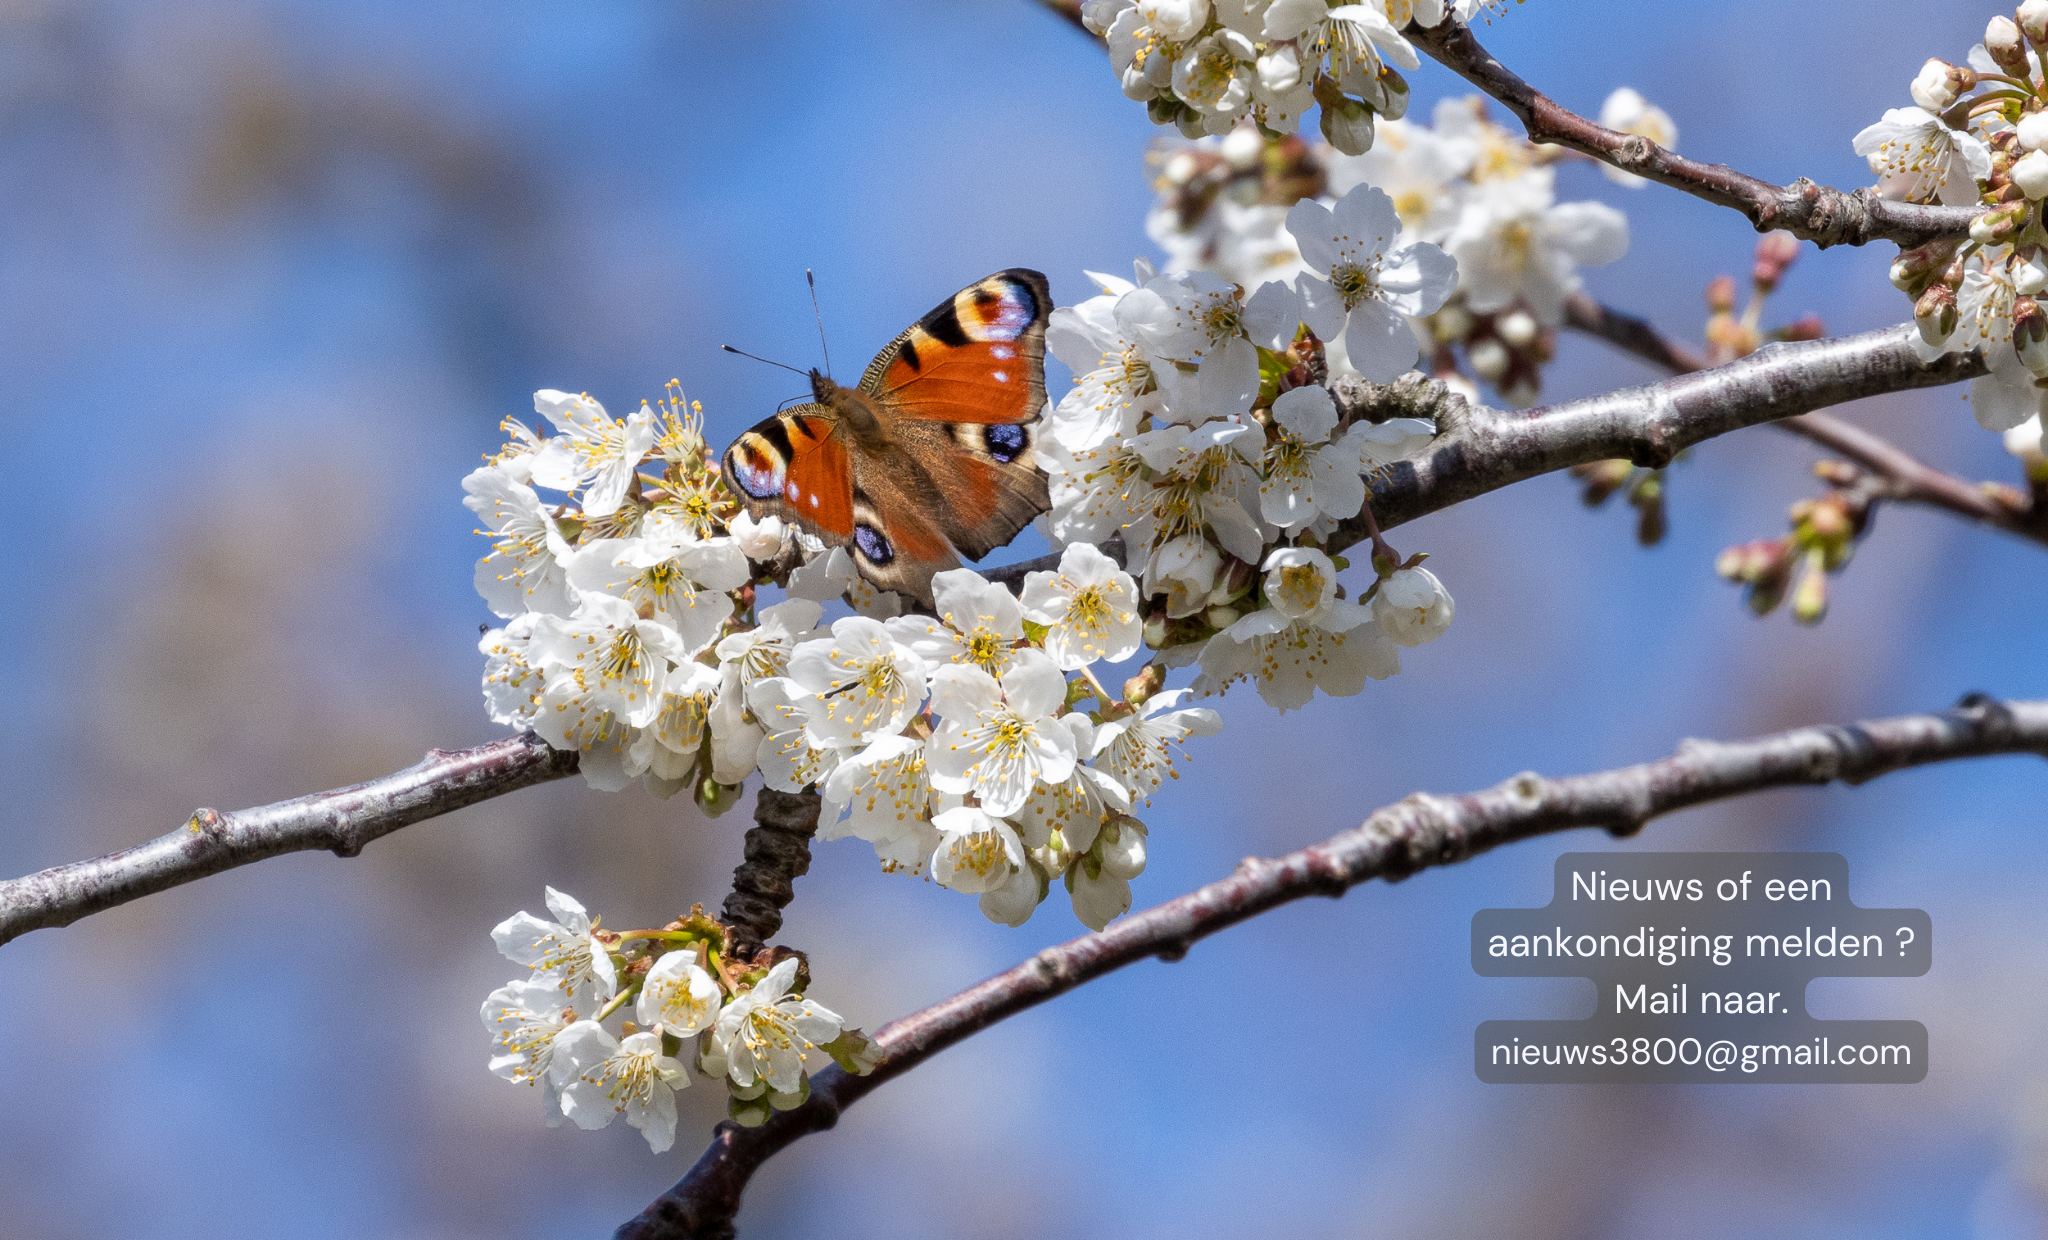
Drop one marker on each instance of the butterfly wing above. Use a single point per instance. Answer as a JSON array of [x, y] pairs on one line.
[[796, 466], [979, 356]]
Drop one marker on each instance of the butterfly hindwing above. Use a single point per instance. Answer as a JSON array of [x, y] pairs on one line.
[[795, 465], [978, 356], [988, 481]]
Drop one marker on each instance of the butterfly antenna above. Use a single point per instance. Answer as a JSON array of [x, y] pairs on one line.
[[743, 353], [820, 316]]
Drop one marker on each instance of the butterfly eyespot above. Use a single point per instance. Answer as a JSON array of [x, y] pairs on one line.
[[792, 491], [1005, 443], [870, 543], [756, 473]]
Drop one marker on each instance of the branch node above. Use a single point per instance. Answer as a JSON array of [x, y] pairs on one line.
[[1626, 827], [1173, 950]]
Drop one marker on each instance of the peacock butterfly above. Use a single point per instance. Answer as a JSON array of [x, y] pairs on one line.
[[930, 456]]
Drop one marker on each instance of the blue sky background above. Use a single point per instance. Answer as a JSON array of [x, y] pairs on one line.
[[270, 273]]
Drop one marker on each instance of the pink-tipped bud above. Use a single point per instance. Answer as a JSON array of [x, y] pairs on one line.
[[1935, 314], [2007, 46], [2033, 17], [1916, 268], [1775, 252], [1721, 294], [1939, 84], [1805, 327]]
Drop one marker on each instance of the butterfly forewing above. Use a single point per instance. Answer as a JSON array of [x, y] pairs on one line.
[[795, 466], [979, 356]]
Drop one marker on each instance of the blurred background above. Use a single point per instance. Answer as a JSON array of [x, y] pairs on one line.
[[276, 270]]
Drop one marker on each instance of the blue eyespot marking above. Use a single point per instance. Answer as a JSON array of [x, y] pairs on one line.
[[871, 544], [1005, 443], [758, 474], [996, 310]]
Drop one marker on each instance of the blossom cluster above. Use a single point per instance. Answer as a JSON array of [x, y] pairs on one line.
[[693, 1010], [1486, 197], [1203, 431], [1978, 134], [1205, 65]]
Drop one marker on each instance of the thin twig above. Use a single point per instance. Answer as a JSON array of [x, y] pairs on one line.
[[1814, 212], [1394, 842], [1902, 477], [342, 820]]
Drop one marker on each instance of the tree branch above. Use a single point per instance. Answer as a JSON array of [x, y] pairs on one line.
[[1900, 476], [778, 852], [1071, 11], [1396, 841], [1479, 449], [342, 820], [1814, 212]]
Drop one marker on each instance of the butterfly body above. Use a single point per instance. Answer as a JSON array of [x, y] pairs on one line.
[[930, 456]]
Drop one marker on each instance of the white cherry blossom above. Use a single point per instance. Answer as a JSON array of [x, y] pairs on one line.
[[1291, 664], [1099, 898], [764, 1033], [524, 1019], [1512, 241], [591, 450], [977, 622], [1076, 808], [1363, 283], [1137, 749], [792, 754], [667, 748], [512, 682], [886, 792], [603, 1078], [1089, 607], [525, 570], [602, 663], [865, 684], [678, 995], [562, 953], [998, 739], [1194, 317], [977, 852], [1917, 158], [1308, 476], [679, 580]]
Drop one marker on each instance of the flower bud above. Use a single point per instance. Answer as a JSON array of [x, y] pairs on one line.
[[1805, 327], [1393, 101], [1518, 328], [2032, 131], [1347, 125], [1775, 253], [2031, 174], [1489, 358], [1521, 391], [1996, 227], [1939, 84], [2033, 17], [1916, 268], [1935, 314], [2030, 335], [2029, 272], [2008, 50], [1242, 147], [1413, 607], [1123, 856], [1721, 294]]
